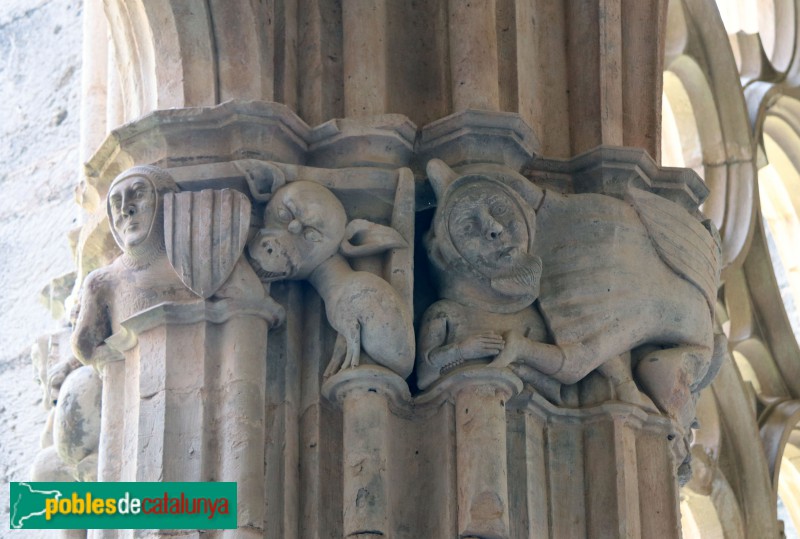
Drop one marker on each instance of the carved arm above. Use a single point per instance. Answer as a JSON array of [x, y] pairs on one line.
[[93, 325]]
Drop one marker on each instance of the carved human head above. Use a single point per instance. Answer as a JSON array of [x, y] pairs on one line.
[[135, 208], [481, 240], [304, 224], [487, 226]]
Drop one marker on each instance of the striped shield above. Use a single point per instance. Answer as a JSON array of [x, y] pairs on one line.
[[205, 233]]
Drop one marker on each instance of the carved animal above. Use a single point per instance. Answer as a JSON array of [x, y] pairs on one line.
[[306, 236], [636, 275]]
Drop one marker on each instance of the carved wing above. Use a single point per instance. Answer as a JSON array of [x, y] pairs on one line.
[[205, 233], [684, 244], [607, 286]]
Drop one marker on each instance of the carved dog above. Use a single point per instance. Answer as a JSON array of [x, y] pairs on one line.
[[306, 236]]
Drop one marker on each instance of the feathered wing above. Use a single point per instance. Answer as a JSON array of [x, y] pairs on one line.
[[591, 248], [687, 246], [609, 283]]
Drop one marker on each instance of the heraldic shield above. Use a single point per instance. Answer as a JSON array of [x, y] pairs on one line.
[[205, 233]]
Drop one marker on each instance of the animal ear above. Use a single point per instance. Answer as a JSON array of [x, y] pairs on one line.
[[263, 178], [364, 238], [440, 176]]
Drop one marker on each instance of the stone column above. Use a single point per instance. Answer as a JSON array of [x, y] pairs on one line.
[[111, 365], [193, 385], [481, 455], [610, 469], [473, 55], [481, 486], [365, 396]]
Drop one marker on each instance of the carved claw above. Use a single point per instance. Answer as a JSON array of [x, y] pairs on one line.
[[337, 358], [353, 356], [346, 353]]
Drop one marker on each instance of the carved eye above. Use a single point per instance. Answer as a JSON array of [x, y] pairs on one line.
[[499, 210], [284, 214], [312, 234]]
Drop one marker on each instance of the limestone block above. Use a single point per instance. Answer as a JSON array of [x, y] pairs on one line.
[[366, 396]]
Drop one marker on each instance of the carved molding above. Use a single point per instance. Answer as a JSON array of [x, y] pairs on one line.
[[185, 313]]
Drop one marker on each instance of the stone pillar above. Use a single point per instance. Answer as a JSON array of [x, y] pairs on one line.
[[481, 455], [192, 389], [365, 396], [607, 472], [112, 370], [494, 84], [366, 57], [111, 364], [473, 401], [473, 55]]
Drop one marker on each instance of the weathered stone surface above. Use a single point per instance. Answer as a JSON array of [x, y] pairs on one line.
[[591, 279], [597, 305], [305, 230]]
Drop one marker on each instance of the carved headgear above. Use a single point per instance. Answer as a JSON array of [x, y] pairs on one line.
[[161, 183], [458, 278]]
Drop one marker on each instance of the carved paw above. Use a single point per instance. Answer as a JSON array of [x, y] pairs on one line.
[[337, 358], [353, 356], [346, 353], [277, 311]]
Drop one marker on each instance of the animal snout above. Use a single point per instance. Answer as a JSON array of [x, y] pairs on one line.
[[266, 245]]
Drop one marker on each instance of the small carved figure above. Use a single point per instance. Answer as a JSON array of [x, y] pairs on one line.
[[306, 236], [619, 278], [143, 275], [72, 394]]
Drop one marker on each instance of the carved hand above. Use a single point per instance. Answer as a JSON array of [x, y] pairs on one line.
[[57, 374], [514, 342], [482, 345], [546, 358]]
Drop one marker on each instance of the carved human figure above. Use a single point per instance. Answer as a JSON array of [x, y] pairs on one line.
[[72, 394], [481, 249], [306, 235], [142, 276], [621, 281]]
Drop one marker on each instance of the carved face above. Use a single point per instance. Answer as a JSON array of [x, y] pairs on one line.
[[303, 226], [488, 229], [132, 203]]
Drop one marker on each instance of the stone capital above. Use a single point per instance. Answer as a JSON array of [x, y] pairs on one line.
[[174, 313], [368, 379]]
